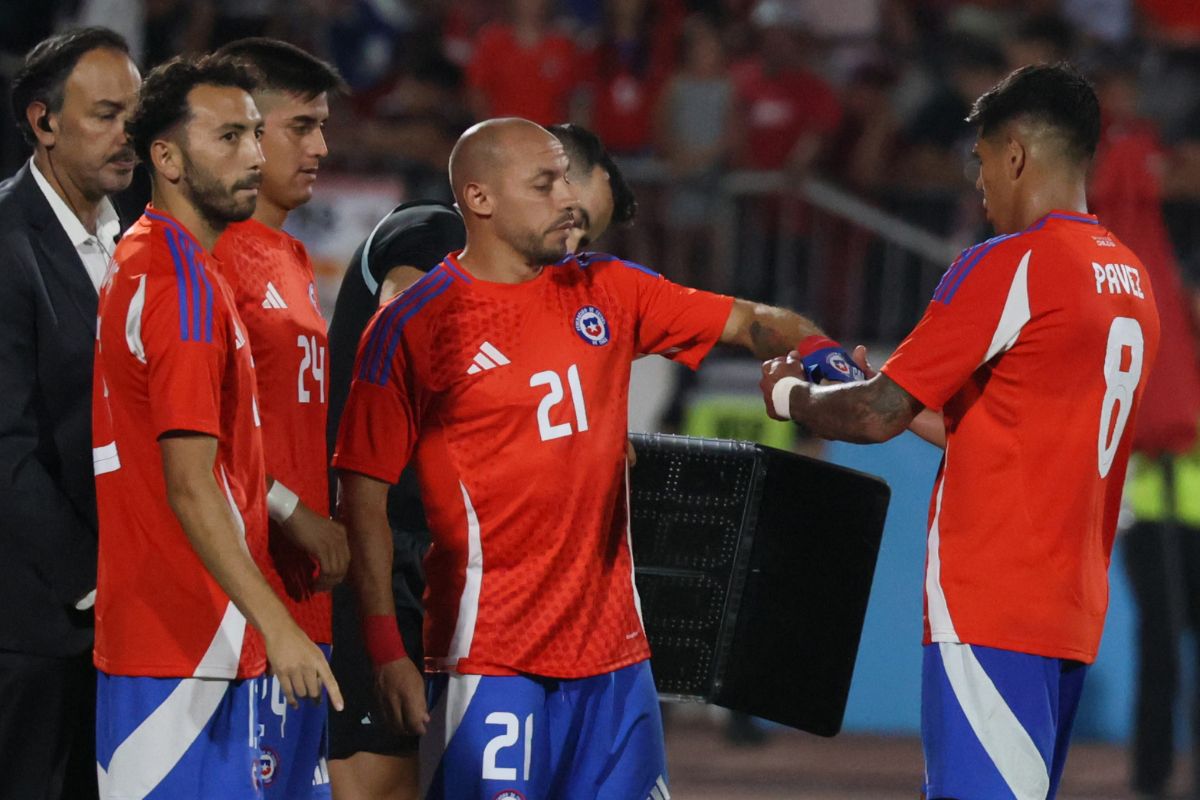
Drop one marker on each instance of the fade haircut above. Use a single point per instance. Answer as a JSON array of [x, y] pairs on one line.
[[43, 76], [586, 151], [283, 67], [163, 103], [1054, 95]]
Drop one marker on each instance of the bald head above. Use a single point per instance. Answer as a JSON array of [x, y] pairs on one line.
[[510, 180], [486, 149]]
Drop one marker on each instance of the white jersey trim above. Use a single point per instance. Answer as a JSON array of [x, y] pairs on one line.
[[1015, 314], [468, 602], [1003, 737], [941, 626], [133, 322], [225, 650], [444, 720], [637, 598]]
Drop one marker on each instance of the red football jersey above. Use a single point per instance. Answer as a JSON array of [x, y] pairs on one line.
[[1036, 347], [272, 282], [533, 82], [171, 355], [512, 399]]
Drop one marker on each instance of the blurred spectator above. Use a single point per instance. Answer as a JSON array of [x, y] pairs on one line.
[[784, 117], [523, 68], [1108, 22], [1162, 556], [938, 138], [695, 139], [627, 68], [1045, 39], [860, 157], [787, 112], [175, 27], [1181, 187]]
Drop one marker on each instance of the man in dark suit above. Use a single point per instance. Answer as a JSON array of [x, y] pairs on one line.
[[57, 232]]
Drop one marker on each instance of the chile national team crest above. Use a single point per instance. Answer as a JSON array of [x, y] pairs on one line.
[[591, 326]]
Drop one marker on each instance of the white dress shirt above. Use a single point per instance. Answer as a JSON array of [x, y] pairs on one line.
[[95, 251]]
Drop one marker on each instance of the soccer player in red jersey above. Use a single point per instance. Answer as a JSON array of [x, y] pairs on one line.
[[1035, 348], [178, 458], [503, 373], [272, 282]]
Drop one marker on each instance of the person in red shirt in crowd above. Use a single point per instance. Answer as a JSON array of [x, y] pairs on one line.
[[1126, 192], [784, 116], [787, 112], [522, 68], [626, 70]]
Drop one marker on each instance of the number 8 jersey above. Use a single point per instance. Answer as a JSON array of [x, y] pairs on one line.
[[1036, 347], [512, 398]]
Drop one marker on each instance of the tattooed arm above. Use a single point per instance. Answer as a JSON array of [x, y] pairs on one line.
[[864, 412], [765, 331]]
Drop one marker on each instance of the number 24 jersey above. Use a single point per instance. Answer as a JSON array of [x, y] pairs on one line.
[[513, 400]]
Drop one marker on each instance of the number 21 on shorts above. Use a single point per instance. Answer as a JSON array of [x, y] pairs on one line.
[[1121, 378], [510, 737]]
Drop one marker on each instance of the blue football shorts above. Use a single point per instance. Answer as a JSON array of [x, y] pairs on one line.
[[176, 739], [529, 738], [996, 723], [294, 743]]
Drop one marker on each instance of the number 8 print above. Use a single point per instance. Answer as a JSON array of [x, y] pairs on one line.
[[1120, 385]]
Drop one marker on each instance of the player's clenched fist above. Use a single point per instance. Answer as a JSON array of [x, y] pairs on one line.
[[324, 540], [780, 376], [300, 666], [401, 690]]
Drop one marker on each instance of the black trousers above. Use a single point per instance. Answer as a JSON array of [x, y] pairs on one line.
[[1164, 571], [47, 727]]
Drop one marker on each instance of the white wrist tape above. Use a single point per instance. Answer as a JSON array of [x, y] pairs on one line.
[[281, 502], [781, 396]]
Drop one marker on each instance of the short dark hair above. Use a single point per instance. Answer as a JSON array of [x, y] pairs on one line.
[[1056, 95], [283, 67], [47, 66], [163, 103], [585, 150]]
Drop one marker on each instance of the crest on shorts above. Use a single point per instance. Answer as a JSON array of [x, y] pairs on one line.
[[268, 766], [591, 326], [509, 794]]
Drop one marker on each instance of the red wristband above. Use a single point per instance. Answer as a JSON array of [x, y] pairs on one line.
[[811, 344], [382, 638]]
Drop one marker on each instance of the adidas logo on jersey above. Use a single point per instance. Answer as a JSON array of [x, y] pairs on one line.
[[273, 298], [488, 357]]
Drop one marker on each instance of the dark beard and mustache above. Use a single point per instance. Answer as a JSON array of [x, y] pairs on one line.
[[218, 205], [533, 247]]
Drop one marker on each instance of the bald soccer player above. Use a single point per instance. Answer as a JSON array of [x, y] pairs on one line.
[[369, 758], [503, 374]]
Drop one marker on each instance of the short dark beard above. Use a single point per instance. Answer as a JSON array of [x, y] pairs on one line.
[[533, 249], [214, 202]]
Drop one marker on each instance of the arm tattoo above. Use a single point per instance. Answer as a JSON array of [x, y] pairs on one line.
[[768, 342], [873, 411]]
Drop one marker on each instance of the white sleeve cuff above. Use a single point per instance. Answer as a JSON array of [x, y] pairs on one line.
[[281, 502], [781, 396]]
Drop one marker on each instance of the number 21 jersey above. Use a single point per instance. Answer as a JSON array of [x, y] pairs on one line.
[[1036, 347], [512, 398]]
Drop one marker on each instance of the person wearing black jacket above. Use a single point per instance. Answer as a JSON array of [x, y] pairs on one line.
[[71, 100]]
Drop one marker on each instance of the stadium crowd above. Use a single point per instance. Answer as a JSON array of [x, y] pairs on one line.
[[869, 94]]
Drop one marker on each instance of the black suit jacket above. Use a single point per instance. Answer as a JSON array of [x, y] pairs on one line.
[[47, 491]]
